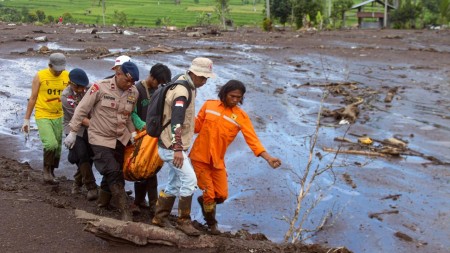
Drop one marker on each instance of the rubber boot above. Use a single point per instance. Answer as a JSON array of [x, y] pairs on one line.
[[54, 166], [209, 214], [164, 206], [152, 194], [139, 196], [48, 167], [103, 198], [76, 188], [184, 217], [77, 182], [89, 181], [118, 193]]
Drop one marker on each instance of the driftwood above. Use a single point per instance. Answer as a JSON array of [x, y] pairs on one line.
[[89, 30], [158, 49], [153, 50], [354, 152], [390, 95], [349, 112], [405, 150], [329, 84], [378, 215], [109, 55], [144, 234]]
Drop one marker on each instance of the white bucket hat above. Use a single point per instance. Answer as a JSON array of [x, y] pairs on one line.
[[202, 67], [121, 60]]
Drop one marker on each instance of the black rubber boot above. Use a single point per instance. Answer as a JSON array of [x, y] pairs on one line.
[[152, 193], [104, 198], [48, 175], [88, 180], [209, 215], [118, 193]]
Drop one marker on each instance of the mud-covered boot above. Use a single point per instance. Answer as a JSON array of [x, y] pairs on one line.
[[104, 198], [163, 207], [152, 194], [77, 183], [76, 188], [48, 177], [139, 196], [48, 167], [92, 194], [184, 217], [210, 218], [89, 181], [118, 193], [55, 165], [209, 214]]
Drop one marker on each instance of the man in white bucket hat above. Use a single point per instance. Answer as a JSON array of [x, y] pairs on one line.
[[174, 142]]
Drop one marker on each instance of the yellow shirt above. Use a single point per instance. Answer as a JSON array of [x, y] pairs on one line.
[[48, 104]]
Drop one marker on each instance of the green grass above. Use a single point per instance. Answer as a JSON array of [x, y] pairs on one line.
[[143, 13]]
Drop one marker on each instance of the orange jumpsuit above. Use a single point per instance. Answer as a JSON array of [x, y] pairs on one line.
[[217, 126]]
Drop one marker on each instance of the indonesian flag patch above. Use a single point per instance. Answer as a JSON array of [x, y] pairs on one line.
[[179, 103]]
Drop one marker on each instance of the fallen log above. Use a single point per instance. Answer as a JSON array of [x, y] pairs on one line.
[[109, 55], [159, 49], [144, 234], [353, 152], [89, 30]]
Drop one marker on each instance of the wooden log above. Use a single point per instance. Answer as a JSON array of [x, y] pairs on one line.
[[159, 49], [354, 152], [89, 30], [144, 234], [109, 55]]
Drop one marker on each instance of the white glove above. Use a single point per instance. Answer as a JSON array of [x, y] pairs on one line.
[[133, 135], [69, 141], [26, 126]]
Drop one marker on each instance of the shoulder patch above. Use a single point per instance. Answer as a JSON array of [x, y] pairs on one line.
[[94, 88]]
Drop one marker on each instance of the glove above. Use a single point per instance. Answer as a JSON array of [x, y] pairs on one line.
[[26, 127], [69, 141], [133, 135]]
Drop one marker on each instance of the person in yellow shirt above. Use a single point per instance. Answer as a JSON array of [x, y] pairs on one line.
[[217, 124], [46, 89]]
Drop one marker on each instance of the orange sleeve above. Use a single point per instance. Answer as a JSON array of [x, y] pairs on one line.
[[250, 135], [200, 119]]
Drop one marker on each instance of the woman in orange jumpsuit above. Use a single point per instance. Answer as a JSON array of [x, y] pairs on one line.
[[217, 124]]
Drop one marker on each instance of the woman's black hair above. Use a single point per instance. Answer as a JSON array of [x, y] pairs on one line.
[[231, 86], [161, 73]]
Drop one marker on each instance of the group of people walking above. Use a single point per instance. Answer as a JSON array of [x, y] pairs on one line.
[[101, 119]]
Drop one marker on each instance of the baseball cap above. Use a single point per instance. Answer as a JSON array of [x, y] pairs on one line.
[[58, 61], [79, 77], [121, 60], [130, 68], [202, 67]]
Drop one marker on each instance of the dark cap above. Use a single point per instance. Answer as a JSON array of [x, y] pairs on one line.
[[131, 69], [58, 61], [79, 77]]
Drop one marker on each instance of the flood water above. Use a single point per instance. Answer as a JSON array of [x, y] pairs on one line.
[[262, 199]]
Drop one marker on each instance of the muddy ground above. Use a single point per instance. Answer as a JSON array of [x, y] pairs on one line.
[[380, 203]]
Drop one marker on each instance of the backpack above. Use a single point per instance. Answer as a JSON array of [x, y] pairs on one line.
[[155, 112]]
